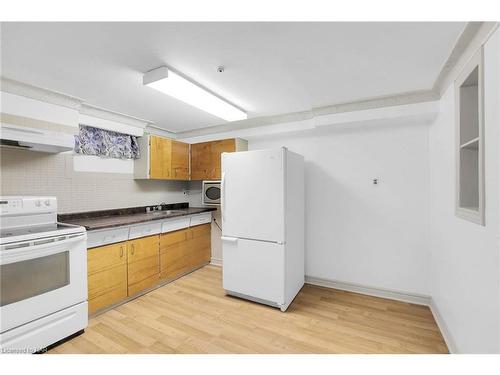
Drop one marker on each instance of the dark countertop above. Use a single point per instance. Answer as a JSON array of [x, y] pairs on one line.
[[104, 219]]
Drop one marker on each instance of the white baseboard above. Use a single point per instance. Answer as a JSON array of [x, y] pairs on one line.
[[418, 299], [216, 262], [450, 343]]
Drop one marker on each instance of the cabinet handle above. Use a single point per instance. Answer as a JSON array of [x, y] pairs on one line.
[[133, 249], [121, 251], [223, 196]]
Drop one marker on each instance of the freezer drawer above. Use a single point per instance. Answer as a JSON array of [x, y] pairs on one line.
[[254, 269]]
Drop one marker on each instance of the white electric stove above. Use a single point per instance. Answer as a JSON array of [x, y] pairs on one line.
[[43, 275]]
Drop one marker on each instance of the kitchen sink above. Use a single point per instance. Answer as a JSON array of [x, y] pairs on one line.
[[174, 212], [167, 212]]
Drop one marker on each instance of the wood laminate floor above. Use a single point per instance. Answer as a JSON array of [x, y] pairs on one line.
[[193, 315]]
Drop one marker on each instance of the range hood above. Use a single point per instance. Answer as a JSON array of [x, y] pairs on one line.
[[35, 139]]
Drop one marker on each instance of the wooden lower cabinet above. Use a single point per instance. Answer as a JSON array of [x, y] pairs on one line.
[[107, 275], [184, 250], [199, 245], [143, 263], [127, 268], [174, 257]]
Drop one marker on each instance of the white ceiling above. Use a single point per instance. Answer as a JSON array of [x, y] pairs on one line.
[[271, 68]]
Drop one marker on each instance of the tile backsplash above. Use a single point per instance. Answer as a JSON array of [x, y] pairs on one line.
[[24, 172]]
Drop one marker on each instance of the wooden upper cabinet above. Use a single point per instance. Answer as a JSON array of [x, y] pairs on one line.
[[180, 160], [168, 159], [201, 162], [218, 147], [206, 157], [162, 159], [160, 152]]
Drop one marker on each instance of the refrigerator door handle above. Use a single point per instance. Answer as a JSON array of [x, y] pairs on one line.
[[223, 196], [229, 239]]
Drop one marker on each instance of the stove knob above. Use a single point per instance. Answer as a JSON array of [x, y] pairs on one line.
[[38, 203], [47, 202]]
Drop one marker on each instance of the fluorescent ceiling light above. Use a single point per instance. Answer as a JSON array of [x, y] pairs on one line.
[[171, 83]]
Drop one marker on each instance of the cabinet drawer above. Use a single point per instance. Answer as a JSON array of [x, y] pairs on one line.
[[175, 224], [105, 257], [200, 219], [106, 236], [144, 230]]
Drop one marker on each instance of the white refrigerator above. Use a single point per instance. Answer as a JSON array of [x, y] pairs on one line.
[[262, 206]]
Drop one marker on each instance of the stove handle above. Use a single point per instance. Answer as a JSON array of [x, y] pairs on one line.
[[38, 248]]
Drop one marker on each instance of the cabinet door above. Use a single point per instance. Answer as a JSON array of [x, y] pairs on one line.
[[160, 158], [107, 275], [143, 263], [174, 255], [201, 163], [180, 160], [199, 245], [217, 148]]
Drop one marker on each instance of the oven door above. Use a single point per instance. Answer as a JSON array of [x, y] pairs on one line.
[[211, 192], [40, 277]]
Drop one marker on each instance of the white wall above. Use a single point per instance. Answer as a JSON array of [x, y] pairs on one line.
[[25, 172], [464, 267], [375, 236], [403, 235], [357, 232]]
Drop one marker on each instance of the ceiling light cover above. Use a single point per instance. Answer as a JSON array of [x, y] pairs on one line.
[[172, 84]]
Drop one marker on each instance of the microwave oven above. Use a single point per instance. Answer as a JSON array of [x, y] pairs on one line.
[[211, 193]]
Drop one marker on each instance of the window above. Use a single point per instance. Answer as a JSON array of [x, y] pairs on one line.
[[470, 142], [105, 143]]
